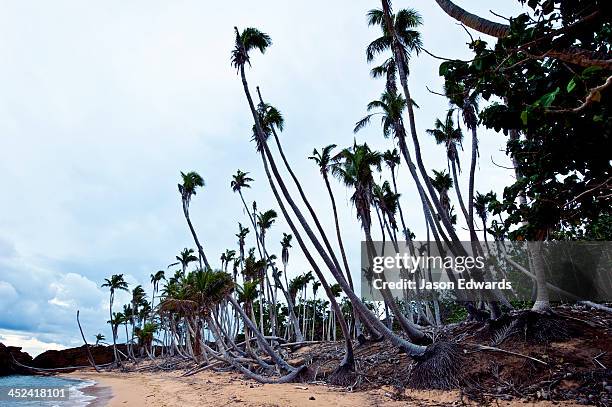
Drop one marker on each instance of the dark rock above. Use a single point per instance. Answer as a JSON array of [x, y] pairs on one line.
[[311, 398], [53, 359], [10, 353]]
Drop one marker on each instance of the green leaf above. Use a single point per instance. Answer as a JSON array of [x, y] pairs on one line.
[[548, 99], [571, 85], [444, 68], [524, 117], [591, 69]]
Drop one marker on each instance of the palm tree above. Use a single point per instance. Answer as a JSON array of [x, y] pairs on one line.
[[285, 245], [184, 258], [155, 279], [248, 40], [480, 206], [191, 181], [272, 120], [264, 221], [247, 295], [315, 288], [392, 159], [400, 36], [324, 160], [239, 181], [442, 182], [445, 133], [116, 282], [467, 103], [226, 258], [390, 107], [355, 170], [99, 338]]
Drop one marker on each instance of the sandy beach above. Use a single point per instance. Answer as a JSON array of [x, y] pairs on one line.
[[224, 389]]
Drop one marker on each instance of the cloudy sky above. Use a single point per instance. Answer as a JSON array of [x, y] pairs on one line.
[[102, 103]]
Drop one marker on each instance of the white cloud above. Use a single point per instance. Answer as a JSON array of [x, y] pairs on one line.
[[103, 103], [27, 342]]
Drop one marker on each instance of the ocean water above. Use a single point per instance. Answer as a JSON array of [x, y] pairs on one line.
[[76, 398]]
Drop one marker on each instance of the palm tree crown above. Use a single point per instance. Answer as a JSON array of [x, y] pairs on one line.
[[116, 282], [354, 169], [323, 158], [191, 181], [248, 40], [240, 180], [450, 136], [404, 23]]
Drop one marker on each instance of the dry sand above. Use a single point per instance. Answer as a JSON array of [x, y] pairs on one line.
[[211, 389]]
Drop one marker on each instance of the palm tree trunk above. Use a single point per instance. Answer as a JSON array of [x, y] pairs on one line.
[[202, 256], [110, 309], [410, 348], [401, 64], [473, 21], [466, 215], [359, 334]]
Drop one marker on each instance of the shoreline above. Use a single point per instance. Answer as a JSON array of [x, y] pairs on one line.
[[169, 389]]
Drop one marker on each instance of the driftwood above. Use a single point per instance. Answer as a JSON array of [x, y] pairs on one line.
[[493, 349]]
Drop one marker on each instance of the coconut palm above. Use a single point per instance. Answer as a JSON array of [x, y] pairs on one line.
[[240, 181], [401, 38], [315, 288], [116, 282], [265, 221], [155, 279], [443, 183], [390, 107], [191, 182], [99, 338], [244, 43], [355, 169], [480, 206], [184, 258], [324, 160], [226, 258], [451, 137], [271, 121]]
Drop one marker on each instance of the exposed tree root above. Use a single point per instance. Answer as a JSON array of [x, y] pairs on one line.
[[438, 368], [344, 375], [533, 327]]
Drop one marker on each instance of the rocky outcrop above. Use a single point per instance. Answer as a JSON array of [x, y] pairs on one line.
[[7, 356], [53, 359]]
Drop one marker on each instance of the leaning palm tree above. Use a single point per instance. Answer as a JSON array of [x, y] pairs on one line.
[[116, 282], [443, 183], [392, 159], [451, 137], [481, 203], [248, 40], [155, 279], [191, 182], [390, 107], [324, 160], [240, 181], [355, 169], [315, 288], [473, 21], [265, 221], [285, 245], [271, 120], [99, 338], [401, 38]]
